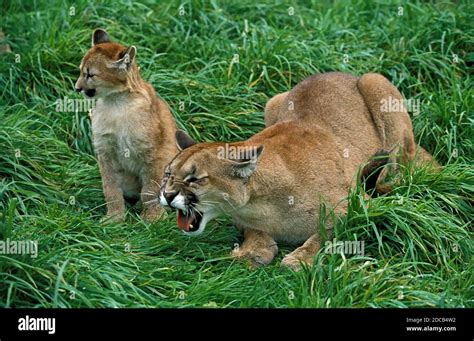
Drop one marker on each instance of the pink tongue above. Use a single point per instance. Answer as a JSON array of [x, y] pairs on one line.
[[184, 221]]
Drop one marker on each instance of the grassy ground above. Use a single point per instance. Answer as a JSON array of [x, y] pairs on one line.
[[418, 240]]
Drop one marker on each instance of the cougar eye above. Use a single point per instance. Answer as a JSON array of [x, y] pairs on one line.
[[192, 179], [88, 74]]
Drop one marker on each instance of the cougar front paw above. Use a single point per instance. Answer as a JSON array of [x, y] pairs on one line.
[[257, 257], [295, 260]]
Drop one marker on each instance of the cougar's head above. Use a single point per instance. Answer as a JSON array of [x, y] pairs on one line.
[[206, 180]]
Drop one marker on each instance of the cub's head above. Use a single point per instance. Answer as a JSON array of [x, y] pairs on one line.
[[106, 67], [206, 180]]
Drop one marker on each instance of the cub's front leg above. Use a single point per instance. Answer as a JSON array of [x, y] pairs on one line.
[[258, 247], [112, 191], [151, 179]]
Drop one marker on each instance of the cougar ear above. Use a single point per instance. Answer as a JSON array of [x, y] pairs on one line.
[[100, 36], [246, 162], [126, 60], [183, 140]]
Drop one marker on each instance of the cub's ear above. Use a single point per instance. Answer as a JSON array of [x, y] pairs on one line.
[[100, 36], [246, 162], [126, 59], [183, 140]]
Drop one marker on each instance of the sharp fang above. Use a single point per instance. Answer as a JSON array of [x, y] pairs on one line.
[[191, 226]]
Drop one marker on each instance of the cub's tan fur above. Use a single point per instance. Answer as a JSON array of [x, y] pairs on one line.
[[133, 129], [317, 136]]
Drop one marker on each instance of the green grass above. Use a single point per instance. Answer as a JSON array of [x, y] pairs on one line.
[[418, 239]]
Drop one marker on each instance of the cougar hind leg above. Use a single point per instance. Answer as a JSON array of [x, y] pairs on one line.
[[393, 123], [394, 126]]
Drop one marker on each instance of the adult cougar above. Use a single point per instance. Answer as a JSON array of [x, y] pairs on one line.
[[272, 184]]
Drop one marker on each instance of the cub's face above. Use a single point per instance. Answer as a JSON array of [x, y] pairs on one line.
[[201, 183], [105, 67]]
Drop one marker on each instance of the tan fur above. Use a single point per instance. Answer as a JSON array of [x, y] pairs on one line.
[[133, 129], [317, 136], [258, 247]]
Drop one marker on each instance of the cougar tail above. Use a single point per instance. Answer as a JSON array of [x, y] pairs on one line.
[[371, 172]]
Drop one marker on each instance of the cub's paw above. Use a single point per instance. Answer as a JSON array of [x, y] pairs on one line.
[[257, 257], [112, 218], [152, 214], [295, 260]]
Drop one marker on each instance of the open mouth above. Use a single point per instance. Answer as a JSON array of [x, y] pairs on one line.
[[189, 221], [90, 92]]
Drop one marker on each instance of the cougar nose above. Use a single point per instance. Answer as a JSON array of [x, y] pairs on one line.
[[169, 196]]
